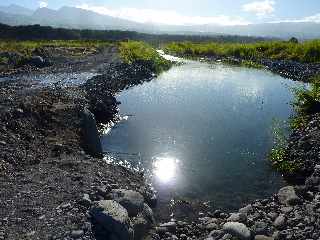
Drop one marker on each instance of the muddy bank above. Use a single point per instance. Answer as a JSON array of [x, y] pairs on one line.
[[289, 69], [49, 176]]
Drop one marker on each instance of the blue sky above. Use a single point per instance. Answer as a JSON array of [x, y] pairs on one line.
[[225, 12]]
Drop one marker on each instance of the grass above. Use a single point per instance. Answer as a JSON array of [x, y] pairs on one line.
[[27, 47], [307, 99], [306, 103], [278, 154], [306, 52], [3, 60], [133, 51]]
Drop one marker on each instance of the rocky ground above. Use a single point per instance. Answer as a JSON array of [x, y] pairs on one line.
[[55, 185], [49, 175]]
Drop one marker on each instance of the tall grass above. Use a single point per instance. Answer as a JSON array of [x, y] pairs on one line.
[[27, 47], [133, 51], [306, 52]]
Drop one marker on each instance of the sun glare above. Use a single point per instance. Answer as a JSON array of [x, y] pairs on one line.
[[165, 168]]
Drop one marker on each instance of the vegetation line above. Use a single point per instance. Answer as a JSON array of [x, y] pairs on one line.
[[305, 52]]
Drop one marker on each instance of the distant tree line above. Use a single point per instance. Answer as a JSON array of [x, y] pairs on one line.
[[37, 32]]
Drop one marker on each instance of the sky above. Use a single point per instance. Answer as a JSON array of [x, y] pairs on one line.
[[186, 12]]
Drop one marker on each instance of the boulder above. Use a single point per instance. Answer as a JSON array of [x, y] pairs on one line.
[[147, 214], [237, 217], [260, 228], [113, 218], [140, 227], [37, 61], [170, 226], [288, 196], [132, 201], [91, 139], [238, 230], [280, 222]]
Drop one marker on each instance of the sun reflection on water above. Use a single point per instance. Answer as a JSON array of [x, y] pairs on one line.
[[165, 168]]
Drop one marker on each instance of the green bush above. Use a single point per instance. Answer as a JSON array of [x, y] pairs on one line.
[[306, 52], [133, 51], [3, 60], [307, 99]]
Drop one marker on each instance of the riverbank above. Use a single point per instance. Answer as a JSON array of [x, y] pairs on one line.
[[52, 189], [51, 165]]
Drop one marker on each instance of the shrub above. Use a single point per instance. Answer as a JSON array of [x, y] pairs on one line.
[[133, 51]]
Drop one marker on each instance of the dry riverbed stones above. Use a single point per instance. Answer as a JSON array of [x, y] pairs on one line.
[[124, 216]]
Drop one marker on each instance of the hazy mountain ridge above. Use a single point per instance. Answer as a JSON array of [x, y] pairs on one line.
[[71, 17], [16, 9]]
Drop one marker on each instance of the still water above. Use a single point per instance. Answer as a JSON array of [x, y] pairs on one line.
[[203, 131]]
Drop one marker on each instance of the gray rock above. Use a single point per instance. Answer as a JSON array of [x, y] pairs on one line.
[[77, 233], [216, 234], [85, 200], [140, 227], [111, 216], [171, 226], [91, 139], [238, 230], [237, 217], [246, 210], [147, 213], [130, 200], [280, 222], [37, 61], [260, 228], [262, 237], [212, 226], [288, 196]]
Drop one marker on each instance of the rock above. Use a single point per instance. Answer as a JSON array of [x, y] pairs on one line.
[[288, 196], [211, 226], [103, 191], [171, 226], [262, 237], [238, 230], [237, 217], [91, 139], [280, 222], [140, 227], [130, 200], [216, 234], [147, 213], [260, 228], [247, 209], [85, 200], [37, 61], [77, 233], [112, 217], [286, 209]]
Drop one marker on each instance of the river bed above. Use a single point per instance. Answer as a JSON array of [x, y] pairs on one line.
[[203, 131]]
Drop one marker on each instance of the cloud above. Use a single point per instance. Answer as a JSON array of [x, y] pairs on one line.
[[169, 17], [260, 8], [314, 18], [43, 4]]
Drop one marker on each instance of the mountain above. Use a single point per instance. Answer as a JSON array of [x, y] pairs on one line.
[[14, 19], [16, 10], [71, 17]]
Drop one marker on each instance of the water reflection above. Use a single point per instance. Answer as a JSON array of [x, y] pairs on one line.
[[165, 168], [215, 120]]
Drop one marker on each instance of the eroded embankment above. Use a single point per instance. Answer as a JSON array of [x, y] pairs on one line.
[[48, 182]]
